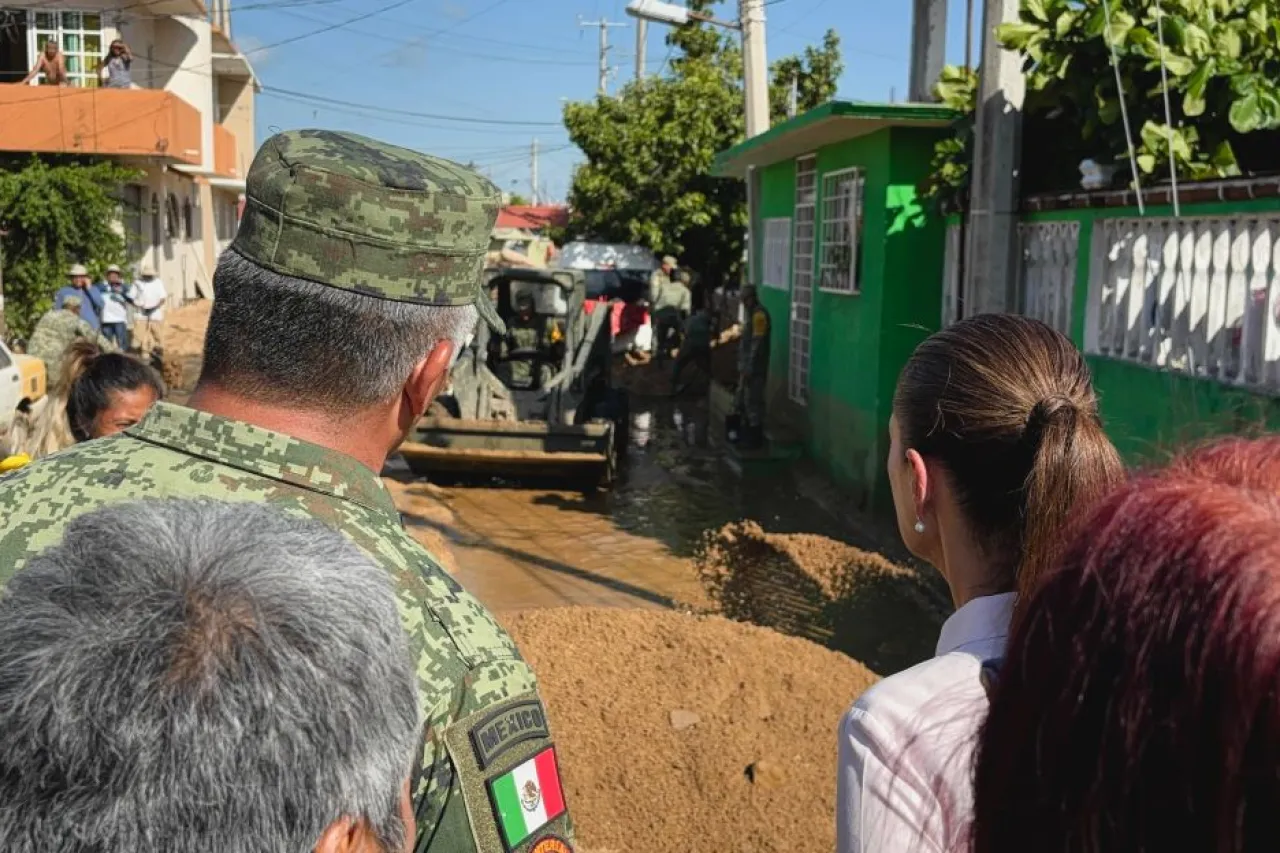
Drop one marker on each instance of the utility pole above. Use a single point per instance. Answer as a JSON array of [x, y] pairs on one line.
[[991, 263], [603, 24], [755, 66], [533, 176], [642, 35], [928, 48]]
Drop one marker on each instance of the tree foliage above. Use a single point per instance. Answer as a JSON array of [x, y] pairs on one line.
[[56, 213], [649, 151], [1221, 59], [947, 186]]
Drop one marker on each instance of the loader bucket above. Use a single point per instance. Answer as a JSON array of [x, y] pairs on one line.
[[445, 448]]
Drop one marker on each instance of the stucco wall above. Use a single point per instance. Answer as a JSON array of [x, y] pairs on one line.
[[860, 342]]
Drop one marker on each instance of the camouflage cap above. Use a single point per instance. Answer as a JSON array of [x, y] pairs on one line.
[[361, 215]]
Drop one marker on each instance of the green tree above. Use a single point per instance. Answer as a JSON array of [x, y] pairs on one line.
[[56, 212], [517, 200], [647, 176]]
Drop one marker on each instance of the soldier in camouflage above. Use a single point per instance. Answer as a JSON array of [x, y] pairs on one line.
[[353, 281], [531, 348], [56, 330]]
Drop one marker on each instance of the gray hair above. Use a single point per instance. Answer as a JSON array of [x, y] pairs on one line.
[[295, 342], [189, 675]]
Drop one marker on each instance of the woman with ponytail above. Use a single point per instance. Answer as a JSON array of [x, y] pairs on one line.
[[995, 445], [98, 394]]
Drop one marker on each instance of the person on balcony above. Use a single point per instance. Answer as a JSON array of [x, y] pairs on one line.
[[52, 65], [114, 68]]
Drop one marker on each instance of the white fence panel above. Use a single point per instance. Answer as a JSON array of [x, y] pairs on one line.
[[1197, 295], [1048, 271]]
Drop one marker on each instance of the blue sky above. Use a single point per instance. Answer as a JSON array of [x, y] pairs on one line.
[[507, 66]]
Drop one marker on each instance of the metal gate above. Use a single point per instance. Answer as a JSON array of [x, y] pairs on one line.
[[802, 246]]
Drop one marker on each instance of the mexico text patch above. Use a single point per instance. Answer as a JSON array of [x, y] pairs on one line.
[[506, 727], [527, 797]]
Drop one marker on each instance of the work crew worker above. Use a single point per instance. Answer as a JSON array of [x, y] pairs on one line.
[[753, 366], [695, 348], [80, 287], [529, 346], [671, 307], [57, 330], [662, 277], [351, 284]]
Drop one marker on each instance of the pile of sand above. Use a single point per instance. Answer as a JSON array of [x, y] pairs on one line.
[[850, 600], [183, 343], [679, 732]]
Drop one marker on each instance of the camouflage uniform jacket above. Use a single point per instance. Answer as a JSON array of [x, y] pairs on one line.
[[56, 331], [482, 713]]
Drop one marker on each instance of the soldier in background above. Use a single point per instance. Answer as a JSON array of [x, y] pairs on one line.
[[753, 367], [57, 330], [671, 307], [661, 277], [332, 330], [529, 351]]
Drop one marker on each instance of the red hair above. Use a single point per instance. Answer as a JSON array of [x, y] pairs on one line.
[[1138, 707]]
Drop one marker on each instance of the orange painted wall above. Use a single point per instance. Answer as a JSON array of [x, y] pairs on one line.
[[67, 120]]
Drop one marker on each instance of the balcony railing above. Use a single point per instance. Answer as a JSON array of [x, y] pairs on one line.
[[118, 122]]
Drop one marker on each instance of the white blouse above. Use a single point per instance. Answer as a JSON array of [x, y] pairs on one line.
[[904, 779]]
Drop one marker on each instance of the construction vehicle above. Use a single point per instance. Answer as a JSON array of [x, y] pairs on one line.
[[23, 383], [547, 411]]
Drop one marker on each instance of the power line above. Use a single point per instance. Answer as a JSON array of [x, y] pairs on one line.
[[497, 122]]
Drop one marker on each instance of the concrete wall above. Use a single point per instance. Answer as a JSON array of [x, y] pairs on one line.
[[860, 342], [236, 114], [184, 50]]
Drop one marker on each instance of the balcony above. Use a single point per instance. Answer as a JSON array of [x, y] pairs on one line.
[[226, 154], [108, 122]]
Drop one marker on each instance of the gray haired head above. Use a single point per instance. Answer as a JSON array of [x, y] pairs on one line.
[[189, 675], [288, 341]]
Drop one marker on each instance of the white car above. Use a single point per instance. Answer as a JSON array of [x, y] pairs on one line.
[[22, 385]]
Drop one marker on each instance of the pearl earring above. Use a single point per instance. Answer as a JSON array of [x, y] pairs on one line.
[[919, 526]]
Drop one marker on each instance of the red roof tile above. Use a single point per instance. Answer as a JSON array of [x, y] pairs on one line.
[[533, 218]]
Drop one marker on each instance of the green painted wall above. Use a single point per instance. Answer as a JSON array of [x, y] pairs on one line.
[[860, 342], [844, 361], [777, 199]]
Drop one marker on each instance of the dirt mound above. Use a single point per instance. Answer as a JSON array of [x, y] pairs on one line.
[[183, 343], [850, 600], [679, 732]]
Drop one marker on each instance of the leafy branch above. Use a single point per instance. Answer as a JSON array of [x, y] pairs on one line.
[[1219, 58]]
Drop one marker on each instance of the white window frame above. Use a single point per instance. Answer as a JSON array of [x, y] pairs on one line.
[[775, 263], [74, 40], [840, 225]]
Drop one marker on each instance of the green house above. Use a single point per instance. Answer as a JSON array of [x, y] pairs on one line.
[[850, 267]]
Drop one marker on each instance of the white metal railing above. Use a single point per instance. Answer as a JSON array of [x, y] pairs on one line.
[[1198, 295], [951, 275], [1047, 272]]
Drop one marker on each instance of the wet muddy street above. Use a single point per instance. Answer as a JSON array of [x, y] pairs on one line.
[[521, 546]]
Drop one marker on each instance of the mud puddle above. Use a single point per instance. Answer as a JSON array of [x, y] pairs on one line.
[[522, 545]]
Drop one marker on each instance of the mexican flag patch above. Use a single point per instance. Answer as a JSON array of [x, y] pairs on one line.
[[528, 797]]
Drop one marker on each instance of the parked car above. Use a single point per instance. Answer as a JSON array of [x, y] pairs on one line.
[[22, 384]]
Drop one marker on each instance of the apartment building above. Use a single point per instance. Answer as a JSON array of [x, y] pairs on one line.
[[187, 122]]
